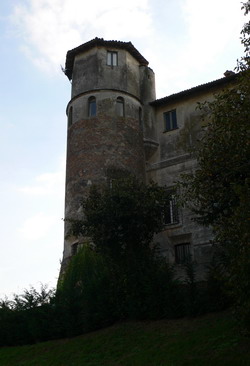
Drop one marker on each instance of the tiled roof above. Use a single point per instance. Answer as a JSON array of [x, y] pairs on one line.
[[195, 90], [101, 42]]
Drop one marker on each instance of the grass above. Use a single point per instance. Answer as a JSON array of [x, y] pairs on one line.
[[209, 340]]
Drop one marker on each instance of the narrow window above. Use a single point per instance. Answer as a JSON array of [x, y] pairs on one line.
[[120, 107], [140, 118], [171, 214], [112, 59], [111, 182], [70, 116], [92, 107], [170, 120], [182, 253], [74, 248]]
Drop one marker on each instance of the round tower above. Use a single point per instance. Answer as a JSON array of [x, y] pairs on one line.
[[105, 118]]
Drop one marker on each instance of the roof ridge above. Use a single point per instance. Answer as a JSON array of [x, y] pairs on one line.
[[194, 89]]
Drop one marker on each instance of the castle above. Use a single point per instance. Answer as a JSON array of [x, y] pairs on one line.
[[116, 124]]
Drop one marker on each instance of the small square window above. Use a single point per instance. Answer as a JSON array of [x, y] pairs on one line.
[[112, 58], [182, 253], [170, 120]]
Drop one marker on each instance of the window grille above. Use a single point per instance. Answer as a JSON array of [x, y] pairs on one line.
[[171, 212], [182, 253]]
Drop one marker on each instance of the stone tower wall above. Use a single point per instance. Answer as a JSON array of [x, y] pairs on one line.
[[101, 144]]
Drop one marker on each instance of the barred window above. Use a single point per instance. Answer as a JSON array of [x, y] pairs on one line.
[[171, 213], [182, 253]]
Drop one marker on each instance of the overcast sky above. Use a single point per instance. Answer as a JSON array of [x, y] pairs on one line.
[[187, 43]]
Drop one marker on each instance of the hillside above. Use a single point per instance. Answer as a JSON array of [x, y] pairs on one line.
[[209, 340]]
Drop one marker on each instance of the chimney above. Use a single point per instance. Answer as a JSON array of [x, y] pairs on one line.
[[229, 73]]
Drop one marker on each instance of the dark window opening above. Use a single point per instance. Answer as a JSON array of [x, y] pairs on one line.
[[92, 107], [112, 58], [115, 175], [120, 107], [70, 117], [74, 248], [171, 212], [111, 182], [170, 120], [182, 253], [140, 118]]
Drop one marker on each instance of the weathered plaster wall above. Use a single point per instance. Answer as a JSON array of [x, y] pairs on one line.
[[92, 72], [136, 143], [167, 164], [100, 145]]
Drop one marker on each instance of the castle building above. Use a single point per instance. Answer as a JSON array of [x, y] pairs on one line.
[[116, 125]]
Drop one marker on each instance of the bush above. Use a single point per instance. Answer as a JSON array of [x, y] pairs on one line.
[[84, 296], [28, 318]]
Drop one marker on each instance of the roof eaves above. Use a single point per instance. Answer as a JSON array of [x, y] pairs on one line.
[[195, 90], [101, 42]]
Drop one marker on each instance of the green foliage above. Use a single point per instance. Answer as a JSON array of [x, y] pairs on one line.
[[96, 290], [218, 191], [234, 247], [208, 340], [84, 293], [218, 296], [27, 318], [122, 220], [223, 157], [120, 277]]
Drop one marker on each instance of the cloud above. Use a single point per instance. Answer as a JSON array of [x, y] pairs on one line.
[[184, 40], [47, 184], [48, 28], [211, 26], [206, 43]]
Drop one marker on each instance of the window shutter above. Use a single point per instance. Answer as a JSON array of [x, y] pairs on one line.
[[114, 63], [167, 121]]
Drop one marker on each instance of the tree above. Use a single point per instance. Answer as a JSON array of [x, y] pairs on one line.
[[218, 191], [121, 220]]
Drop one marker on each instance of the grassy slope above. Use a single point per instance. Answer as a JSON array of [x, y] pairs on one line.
[[208, 340]]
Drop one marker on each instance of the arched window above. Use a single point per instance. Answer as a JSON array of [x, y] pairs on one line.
[[92, 106], [70, 116], [120, 107]]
